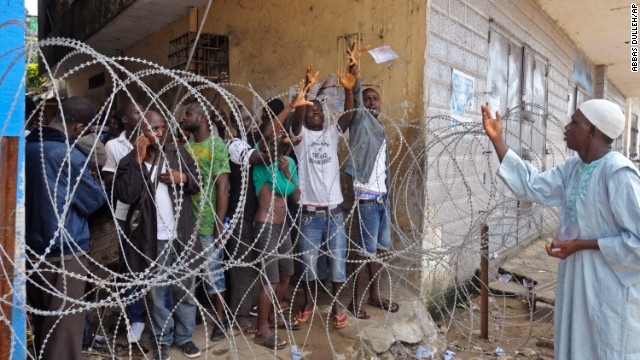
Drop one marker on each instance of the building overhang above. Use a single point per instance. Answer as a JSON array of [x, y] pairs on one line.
[[110, 25], [139, 20], [602, 30]]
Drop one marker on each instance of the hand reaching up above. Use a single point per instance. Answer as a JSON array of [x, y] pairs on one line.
[[354, 55], [493, 127], [301, 95], [311, 78], [348, 81]]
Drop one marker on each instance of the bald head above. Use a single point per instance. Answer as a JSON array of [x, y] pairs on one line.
[[153, 127]]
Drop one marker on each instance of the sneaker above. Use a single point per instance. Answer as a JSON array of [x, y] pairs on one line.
[[135, 333], [189, 349], [219, 332], [162, 353], [99, 344]]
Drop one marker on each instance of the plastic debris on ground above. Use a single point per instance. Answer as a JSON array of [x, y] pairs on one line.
[[504, 278], [493, 255], [423, 353], [499, 351], [449, 355], [295, 353]]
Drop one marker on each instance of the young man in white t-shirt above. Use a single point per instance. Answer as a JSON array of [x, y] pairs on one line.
[[322, 223], [129, 116]]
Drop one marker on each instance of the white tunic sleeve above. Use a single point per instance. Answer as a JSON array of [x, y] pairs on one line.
[[622, 252], [527, 183]]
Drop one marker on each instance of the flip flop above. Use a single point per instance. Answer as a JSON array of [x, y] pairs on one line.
[[360, 314], [303, 317], [340, 321], [288, 324], [273, 342], [386, 305], [250, 330], [247, 327]]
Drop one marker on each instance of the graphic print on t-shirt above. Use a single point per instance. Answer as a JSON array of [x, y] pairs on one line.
[[319, 152]]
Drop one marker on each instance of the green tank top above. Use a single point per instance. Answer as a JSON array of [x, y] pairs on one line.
[[276, 180]]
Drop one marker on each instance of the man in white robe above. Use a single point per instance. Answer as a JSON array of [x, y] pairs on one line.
[[597, 313]]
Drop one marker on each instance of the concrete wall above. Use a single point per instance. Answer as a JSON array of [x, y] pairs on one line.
[[270, 49], [633, 107], [80, 85], [458, 39]]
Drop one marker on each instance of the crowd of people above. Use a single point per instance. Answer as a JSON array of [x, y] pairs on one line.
[[234, 210], [235, 205]]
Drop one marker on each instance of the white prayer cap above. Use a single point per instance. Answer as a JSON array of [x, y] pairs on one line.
[[605, 115]]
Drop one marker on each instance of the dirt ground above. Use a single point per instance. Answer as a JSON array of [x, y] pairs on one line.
[[520, 329], [523, 331], [513, 326], [316, 340]]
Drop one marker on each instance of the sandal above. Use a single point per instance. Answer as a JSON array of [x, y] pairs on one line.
[[287, 324], [246, 327], [386, 305], [340, 321], [360, 314], [303, 317], [272, 342]]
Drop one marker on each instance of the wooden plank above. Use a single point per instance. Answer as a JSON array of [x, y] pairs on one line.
[[8, 191]]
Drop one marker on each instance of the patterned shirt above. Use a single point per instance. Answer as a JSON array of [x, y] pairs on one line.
[[212, 157]]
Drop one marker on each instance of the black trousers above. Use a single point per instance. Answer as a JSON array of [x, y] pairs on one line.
[[51, 288], [243, 276]]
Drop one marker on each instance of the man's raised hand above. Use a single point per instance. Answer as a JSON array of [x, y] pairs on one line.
[[348, 81], [493, 127], [301, 95], [311, 78], [354, 55]]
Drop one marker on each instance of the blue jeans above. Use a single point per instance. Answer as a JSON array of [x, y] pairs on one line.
[[172, 325], [323, 234], [214, 272], [374, 226], [134, 310]]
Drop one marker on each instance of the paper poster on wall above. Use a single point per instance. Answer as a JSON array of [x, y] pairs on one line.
[[462, 96], [582, 72]]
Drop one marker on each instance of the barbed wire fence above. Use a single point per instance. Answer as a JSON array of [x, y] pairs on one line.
[[443, 191]]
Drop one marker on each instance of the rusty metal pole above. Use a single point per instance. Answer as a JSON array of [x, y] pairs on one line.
[[8, 190], [484, 282]]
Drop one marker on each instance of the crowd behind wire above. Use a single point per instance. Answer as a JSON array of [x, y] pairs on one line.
[[225, 204]]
